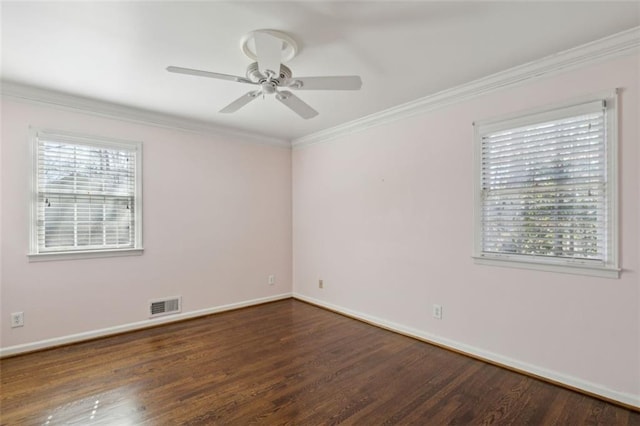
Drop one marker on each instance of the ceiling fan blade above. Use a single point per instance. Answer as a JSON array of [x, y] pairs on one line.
[[296, 104], [241, 101], [209, 74], [344, 82], [269, 52]]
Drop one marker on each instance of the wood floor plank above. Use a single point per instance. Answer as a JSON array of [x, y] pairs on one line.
[[285, 362]]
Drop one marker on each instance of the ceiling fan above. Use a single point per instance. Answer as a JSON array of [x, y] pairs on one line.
[[269, 48]]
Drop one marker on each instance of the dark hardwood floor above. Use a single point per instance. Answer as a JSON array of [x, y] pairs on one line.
[[285, 362]]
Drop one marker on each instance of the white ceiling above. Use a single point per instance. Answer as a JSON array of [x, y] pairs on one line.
[[118, 51]]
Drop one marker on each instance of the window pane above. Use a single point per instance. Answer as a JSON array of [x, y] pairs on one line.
[[79, 222], [544, 189], [86, 196]]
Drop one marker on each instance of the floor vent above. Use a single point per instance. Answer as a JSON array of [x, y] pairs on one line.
[[164, 307]]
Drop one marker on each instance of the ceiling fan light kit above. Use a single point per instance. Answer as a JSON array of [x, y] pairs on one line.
[[269, 49]]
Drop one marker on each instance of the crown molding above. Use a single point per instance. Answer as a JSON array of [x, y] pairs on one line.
[[619, 44], [100, 108], [623, 43]]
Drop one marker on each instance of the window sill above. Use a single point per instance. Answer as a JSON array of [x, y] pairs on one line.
[[89, 254], [565, 268]]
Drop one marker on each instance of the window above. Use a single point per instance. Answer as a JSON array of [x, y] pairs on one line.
[[87, 196], [545, 189]]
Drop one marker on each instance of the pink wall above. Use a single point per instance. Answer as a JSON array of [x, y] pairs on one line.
[[384, 217], [217, 222]]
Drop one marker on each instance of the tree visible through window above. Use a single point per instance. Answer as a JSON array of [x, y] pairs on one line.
[[87, 194], [545, 188]]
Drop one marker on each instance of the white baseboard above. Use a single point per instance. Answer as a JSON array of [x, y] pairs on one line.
[[74, 338], [553, 376]]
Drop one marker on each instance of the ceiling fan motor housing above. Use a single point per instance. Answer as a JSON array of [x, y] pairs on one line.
[[254, 74]]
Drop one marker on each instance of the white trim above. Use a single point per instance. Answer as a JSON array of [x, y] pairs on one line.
[[84, 139], [88, 254], [623, 43], [548, 109], [613, 177], [68, 102], [103, 332], [594, 388], [565, 268], [552, 112]]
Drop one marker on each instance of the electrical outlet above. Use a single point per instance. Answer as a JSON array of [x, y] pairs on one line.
[[437, 311], [17, 319], [272, 279], [320, 284]]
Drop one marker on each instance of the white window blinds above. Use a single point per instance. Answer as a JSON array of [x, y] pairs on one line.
[[544, 188], [86, 195]]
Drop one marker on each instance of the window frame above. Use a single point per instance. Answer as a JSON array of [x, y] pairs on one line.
[[34, 253], [609, 268]]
